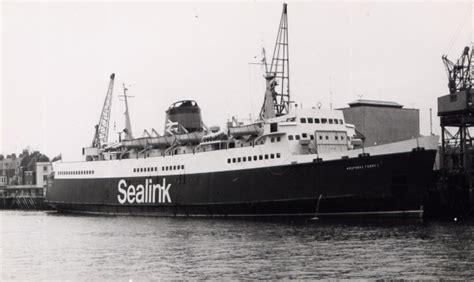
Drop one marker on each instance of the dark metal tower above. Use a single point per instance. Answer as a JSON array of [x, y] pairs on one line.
[[278, 77], [456, 112], [102, 128]]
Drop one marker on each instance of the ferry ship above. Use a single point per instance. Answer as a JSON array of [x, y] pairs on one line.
[[290, 162]]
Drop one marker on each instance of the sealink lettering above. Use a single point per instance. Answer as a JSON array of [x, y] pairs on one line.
[[140, 194]]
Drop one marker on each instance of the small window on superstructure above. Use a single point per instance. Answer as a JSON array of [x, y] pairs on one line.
[[182, 166], [228, 161], [303, 120], [316, 120], [336, 121], [335, 137], [320, 137], [239, 160], [174, 167], [278, 155], [266, 156], [310, 120], [342, 137], [162, 168], [290, 137], [260, 157], [272, 156], [249, 158], [304, 135], [272, 139], [341, 121], [311, 137], [233, 160], [244, 159], [324, 121], [297, 137], [330, 121], [278, 138], [255, 158], [327, 137]]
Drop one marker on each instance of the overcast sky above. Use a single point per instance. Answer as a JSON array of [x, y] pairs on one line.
[[56, 59]]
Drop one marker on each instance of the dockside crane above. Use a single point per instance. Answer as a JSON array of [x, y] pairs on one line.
[[101, 134], [277, 94], [460, 74]]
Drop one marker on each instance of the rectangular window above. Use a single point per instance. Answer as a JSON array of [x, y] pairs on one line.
[[304, 135], [272, 156], [290, 137], [320, 137], [272, 139], [238, 160], [327, 137], [233, 160], [182, 166], [278, 155], [266, 156], [255, 158], [324, 121], [341, 122], [45, 168], [244, 159], [302, 120], [249, 158], [297, 137], [342, 137], [316, 120], [228, 161], [335, 137], [335, 121], [311, 137], [260, 157], [278, 139], [310, 120], [330, 121], [163, 168]]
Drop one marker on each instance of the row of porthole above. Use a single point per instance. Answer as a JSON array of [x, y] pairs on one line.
[[323, 120], [255, 158], [76, 172], [304, 135], [163, 168]]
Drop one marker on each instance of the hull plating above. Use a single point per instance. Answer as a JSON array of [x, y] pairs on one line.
[[385, 185]]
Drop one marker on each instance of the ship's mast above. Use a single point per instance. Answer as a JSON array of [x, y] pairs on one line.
[[128, 126], [101, 134], [277, 94]]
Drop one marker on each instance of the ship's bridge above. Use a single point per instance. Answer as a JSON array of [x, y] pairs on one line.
[[312, 130]]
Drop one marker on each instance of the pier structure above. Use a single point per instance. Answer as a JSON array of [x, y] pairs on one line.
[[456, 112]]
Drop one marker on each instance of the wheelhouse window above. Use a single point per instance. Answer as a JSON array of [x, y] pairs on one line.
[[316, 120], [297, 137], [290, 137], [330, 121], [303, 120], [310, 120], [324, 120]]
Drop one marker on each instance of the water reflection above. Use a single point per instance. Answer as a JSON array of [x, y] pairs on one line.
[[37, 245]]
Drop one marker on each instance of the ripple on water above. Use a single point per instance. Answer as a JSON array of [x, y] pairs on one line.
[[38, 245]]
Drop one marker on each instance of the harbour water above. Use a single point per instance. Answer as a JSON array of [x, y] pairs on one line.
[[47, 245]]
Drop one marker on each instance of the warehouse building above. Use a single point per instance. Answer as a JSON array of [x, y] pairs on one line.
[[382, 122]]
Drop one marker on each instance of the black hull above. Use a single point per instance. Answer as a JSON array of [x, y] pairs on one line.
[[384, 185]]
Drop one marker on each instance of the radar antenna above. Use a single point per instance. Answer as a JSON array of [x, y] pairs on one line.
[[101, 134], [277, 103]]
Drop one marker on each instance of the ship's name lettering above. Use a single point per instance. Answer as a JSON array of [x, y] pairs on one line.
[[148, 193], [363, 166]]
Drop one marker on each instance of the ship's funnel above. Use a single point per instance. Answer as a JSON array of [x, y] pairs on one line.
[[183, 117]]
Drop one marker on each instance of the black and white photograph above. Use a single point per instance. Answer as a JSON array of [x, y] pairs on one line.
[[236, 140]]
